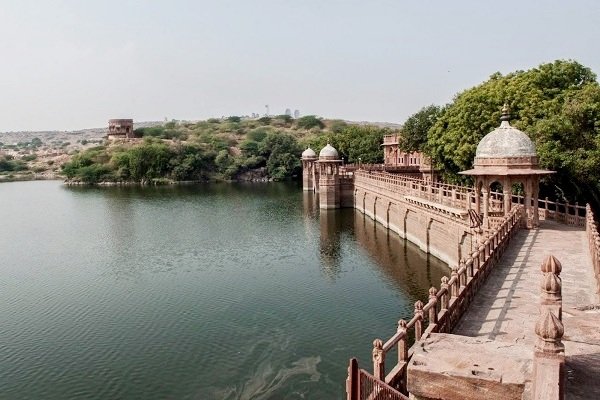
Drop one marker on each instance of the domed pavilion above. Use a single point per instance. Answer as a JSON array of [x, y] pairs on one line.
[[309, 181], [329, 171], [507, 156]]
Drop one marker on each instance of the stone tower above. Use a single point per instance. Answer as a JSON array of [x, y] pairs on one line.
[[309, 159], [329, 182], [120, 128]]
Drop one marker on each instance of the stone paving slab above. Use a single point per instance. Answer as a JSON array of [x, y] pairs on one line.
[[506, 307]]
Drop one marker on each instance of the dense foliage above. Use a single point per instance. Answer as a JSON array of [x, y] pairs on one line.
[[417, 126], [557, 104], [222, 149], [8, 164]]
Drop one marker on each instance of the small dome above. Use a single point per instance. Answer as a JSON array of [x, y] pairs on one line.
[[329, 153], [505, 141], [309, 153]]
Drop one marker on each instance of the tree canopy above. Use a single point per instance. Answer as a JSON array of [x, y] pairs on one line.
[[416, 127], [557, 104]]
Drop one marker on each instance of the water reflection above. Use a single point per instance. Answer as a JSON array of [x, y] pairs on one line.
[[404, 264], [331, 227]]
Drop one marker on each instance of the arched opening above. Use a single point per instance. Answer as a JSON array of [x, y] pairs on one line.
[[518, 190], [496, 197]]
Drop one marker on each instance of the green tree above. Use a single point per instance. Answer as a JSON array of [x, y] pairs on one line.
[[417, 126], [281, 151], [264, 120], [362, 142], [557, 104], [309, 121]]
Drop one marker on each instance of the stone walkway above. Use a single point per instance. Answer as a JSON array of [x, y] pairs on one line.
[[506, 307]]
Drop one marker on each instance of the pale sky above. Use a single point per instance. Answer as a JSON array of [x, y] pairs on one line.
[[75, 64]]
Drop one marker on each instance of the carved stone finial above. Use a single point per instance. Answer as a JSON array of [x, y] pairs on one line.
[[551, 264], [549, 330], [445, 280], [432, 291], [418, 306], [377, 344], [454, 271], [505, 113], [402, 326], [551, 284]]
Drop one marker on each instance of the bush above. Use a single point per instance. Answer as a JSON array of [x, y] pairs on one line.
[[258, 135], [309, 121], [264, 120], [29, 157]]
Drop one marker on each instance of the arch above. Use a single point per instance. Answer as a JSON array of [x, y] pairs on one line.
[[387, 215], [427, 233], [461, 243], [375, 208], [404, 227]]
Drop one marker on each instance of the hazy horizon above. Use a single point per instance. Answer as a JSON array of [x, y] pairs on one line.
[[71, 65]]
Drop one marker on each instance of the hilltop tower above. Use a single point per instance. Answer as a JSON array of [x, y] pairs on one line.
[[120, 129], [329, 173]]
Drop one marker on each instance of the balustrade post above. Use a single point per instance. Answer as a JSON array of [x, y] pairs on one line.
[[481, 255], [462, 276], [548, 358], [433, 310], [402, 342], [455, 285], [418, 320], [551, 285], [468, 270], [444, 286], [378, 360], [353, 381], [476, 261]]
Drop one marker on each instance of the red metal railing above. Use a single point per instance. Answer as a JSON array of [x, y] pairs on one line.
[[361, 385]]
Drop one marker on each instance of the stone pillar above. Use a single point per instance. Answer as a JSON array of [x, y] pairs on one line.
[[528, 212], [308, 174], [548, 358], [486, 207], [535, 193], [551, 285], [507, 192], [477, 197], [329, 185]]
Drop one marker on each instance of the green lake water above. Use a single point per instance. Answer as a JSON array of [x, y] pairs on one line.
[[222, 291]]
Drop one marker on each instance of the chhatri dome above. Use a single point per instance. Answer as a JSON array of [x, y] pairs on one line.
[[506, 156], [505, 141], [328, 153], [309, 153], [505, 151]]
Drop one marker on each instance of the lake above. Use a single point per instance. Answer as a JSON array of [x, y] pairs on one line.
[[216, 291]]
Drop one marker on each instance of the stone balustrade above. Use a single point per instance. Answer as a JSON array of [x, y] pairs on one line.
[[549, 352], [591, 228], [462, 197], [445, 306], [441, 193]]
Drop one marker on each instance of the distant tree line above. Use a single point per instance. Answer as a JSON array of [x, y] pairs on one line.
[[223, 149]]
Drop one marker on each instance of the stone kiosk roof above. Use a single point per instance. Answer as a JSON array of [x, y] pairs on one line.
[[309, 153], [506, 151], [505, 141], [329, 153]]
